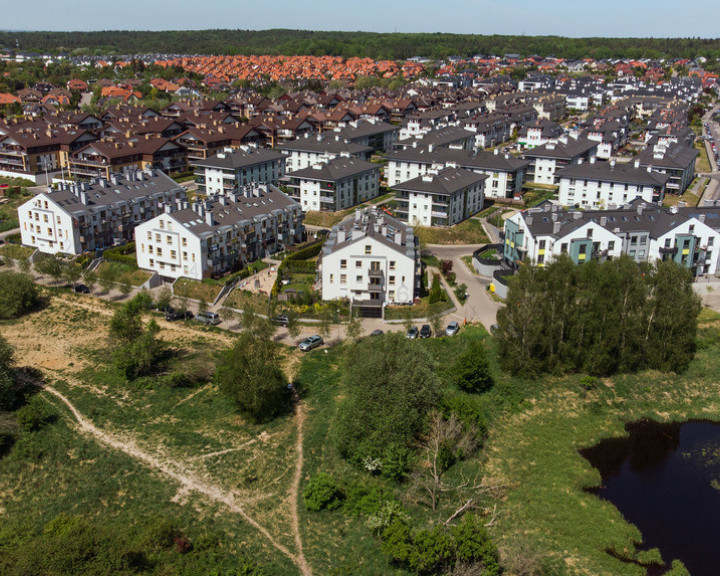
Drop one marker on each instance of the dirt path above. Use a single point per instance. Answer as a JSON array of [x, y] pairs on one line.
[[172, 470], [294, 495]]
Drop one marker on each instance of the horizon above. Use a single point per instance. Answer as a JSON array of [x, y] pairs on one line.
[[562, 18]]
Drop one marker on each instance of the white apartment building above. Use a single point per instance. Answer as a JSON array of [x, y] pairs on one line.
[[232, 169], [372, 260], [95, 215], [645, 232], [335, 185], [442, 199], [505, 173], [218, 234], [593, 185], [547, 159], [305, 152]]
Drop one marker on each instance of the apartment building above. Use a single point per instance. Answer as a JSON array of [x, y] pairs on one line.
[[89, 216], [372, 260], [547, 159], [231, 169], [505, 173], [335, 185], [219, 233], [645, 232], [305, 152], [593, 185], [443, 199]]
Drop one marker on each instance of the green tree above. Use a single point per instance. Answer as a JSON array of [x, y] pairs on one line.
[[18, 295], [106, 277], [249, 375], [354, 328], [8, 385], [71, 273], [436, 294], [471, 369], [390, 385]]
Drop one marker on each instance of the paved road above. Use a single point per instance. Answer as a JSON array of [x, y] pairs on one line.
[[712, 192]]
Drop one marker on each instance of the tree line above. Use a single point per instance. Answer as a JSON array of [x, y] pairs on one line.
[[600, 318], [394, 46]]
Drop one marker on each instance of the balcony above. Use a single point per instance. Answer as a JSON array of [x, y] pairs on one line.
[[375, 273], [673, 250]]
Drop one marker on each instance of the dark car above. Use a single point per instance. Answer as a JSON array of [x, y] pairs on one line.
[[81, 289], [166, 310], [179, 315], [425, 331], [376, 333]]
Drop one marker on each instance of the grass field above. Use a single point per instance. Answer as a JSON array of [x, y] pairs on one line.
[[16, 252], [329, 219], [8, 211], [688, 197], [702, 163], [420, 310], [467, 232], [125, 273], [196, 290], [184, 452]]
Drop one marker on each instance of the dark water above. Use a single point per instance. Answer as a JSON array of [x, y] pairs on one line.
[[665, 479]]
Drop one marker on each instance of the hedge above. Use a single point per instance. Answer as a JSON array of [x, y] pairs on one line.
[[124, 253]]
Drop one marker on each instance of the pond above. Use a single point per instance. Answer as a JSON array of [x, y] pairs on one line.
[[665, 479]]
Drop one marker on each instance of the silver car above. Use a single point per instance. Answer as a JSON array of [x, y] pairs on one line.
[[310, 342], [452, 329]]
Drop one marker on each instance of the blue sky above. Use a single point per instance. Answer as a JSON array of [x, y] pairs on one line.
[[659, 18]]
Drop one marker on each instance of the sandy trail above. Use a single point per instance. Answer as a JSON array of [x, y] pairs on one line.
[[172, 470]]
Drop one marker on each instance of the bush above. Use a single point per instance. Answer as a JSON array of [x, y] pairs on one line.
[[322, 493], [363, 499], [18, 295], [124, 253], [34, 416], [472, 369], [248, 374], [391, 385], [436, 293]]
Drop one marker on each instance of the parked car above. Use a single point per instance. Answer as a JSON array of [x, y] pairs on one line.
[[310, 342], [208, 318], [179, 315], [376, 333], [493, 329], [425, 331], [452, 329], [412, 333], [281, 320], [81, 289]]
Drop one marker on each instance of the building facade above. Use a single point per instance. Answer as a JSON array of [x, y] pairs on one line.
[[230, 170], [219, 233]]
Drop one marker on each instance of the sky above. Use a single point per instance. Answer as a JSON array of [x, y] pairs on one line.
[[618, 18]]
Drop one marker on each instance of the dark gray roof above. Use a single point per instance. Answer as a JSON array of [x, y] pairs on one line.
[[364, 129], [324, 144], [438, 137], [561, 150], [240, 159], [371, 223], [448, 181], [334, 170], [481, 160], [675, 157], [613, 172], [121, 189], [251, 204], [638, 216]]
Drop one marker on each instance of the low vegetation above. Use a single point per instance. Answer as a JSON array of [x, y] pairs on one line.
[[468, 232]]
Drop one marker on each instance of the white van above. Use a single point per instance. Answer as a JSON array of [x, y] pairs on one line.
[[208, 318]]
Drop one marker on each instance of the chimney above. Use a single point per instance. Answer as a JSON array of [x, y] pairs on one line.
[[640, 209], [209, 218], [612, 165], [529, 220], [556, 227], [701, 217], [398, 237], [168, 208], [83, 197], [496, 151], [637, 163], [592, 160], [341, 235], [603, 221], [577, 215]]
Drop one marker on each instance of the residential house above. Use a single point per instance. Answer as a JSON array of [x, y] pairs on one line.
[[310, 150], [232, 169], [547, 159]]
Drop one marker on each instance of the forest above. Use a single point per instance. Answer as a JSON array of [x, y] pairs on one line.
[[394, 46]]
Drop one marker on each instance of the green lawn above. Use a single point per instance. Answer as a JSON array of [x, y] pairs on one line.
[[242, 299], [16, 251], [300, 282], [329, 219], [702, 163], [420, 310], [196, 290], [467, 232], [9, 211], [125, 273]]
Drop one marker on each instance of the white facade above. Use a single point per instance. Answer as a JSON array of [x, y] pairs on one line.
[[346, 271], [707, 238], [46, 226], [545, 169], [165, 246]]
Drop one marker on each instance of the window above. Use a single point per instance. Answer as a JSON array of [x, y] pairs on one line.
[[359, 278], [149, 235], [611, 245], [541, 258], [358, 263], [710, 241], [667, 242], [589, 232], [583, 249], [391, 280], [184, 241], [331, 278], [168, 239], [343, 264], [541, 246], [343, 278], [173, 254], [368, 249], [563, 248]]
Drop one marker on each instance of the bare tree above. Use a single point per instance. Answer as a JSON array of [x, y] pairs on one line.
[[445, 442]]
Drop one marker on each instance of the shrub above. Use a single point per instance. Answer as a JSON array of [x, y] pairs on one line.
[[363, 499], [472, 369], [322, 493], [18, 295], [124, 253], [34, 416]]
